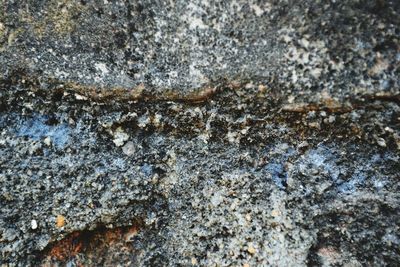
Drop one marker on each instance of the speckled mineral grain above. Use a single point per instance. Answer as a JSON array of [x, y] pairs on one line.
[[199, 133]]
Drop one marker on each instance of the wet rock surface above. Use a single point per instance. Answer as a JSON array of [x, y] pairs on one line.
[[242, 133]]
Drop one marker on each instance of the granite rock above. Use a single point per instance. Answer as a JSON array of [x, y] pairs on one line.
[[199, 133]]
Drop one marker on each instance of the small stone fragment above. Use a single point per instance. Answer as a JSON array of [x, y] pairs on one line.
[[251, 249], [389, 130], [130, 234], [275, 213], [120, 137], [143, 121], [47, 141], [80, 97], [262, 88], [216, 199], [303, 144], [34, 225], [314, 125], [60, 221], [381, 142], [248, 217], [232, 137], [128, 149]]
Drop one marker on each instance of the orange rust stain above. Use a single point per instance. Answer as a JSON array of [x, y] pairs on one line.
[[87, 241], [132, 232], [60, 221], [67, 248]]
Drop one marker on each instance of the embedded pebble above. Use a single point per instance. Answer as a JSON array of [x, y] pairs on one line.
[[120, 137], [129, 148], [34, 224], [381, 142]]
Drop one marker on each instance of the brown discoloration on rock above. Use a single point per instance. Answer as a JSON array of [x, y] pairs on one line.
[[66, 248], [89, 243], [334, 106]]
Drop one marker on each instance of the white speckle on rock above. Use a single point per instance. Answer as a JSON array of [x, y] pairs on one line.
[[316, 72], [291, 99], [216, 199], [196, 23], [196, 75], [388, 129], [232, 137], [304, 42], [303, 144], [60, 74], [102, 68], [128, 148], [257, 10], [34, 224], [120, 137], [294, 76], [157, 120], [381, 142], [47, 141], [80, 97], [143, 121], [193, 18]]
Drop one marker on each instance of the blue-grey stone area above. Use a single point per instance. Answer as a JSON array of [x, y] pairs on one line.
[[328, 164], [39, 127]]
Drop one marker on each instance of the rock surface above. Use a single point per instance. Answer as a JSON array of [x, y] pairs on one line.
[[200, 133]]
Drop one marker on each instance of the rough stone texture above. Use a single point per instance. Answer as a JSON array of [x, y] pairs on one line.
[[235, 133]]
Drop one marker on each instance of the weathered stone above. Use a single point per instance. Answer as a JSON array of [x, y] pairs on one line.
[[244, 133]]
